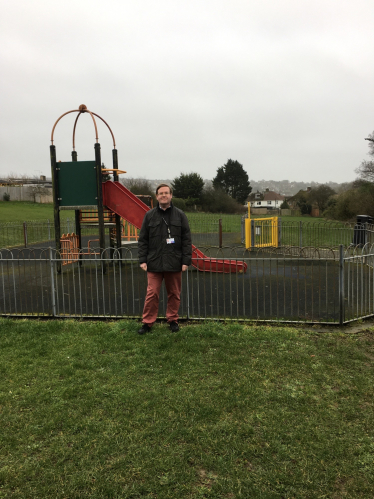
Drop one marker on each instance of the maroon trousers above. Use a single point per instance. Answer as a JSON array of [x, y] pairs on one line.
[[173, 282]]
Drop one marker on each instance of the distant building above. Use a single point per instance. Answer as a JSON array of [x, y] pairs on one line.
[[268, 199]]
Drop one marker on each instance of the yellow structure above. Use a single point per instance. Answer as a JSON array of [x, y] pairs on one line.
[[261, 232]]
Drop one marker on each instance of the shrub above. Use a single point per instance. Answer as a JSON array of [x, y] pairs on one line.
[[6, 196], [285, 205], [179, 203], [215, 200], [139, 186], [349, 204]]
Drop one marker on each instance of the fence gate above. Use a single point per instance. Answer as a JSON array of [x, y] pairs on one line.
[[261, 232]]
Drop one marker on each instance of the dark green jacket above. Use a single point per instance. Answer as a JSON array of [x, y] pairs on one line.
[[153, 248]]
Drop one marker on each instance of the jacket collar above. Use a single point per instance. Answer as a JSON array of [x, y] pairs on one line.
[[167, 209]]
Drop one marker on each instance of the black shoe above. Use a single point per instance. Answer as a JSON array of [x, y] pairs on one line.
[[144, 329], [174, 327]]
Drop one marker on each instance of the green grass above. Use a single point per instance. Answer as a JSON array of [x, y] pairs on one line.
[[314, 233], [23, 211], [93, 410]]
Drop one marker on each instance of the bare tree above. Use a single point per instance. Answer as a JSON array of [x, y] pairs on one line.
[[320, 195], [38, 190], [139, 186], [366, 170]]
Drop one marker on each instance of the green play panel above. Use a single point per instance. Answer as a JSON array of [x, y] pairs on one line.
[[77, 183]]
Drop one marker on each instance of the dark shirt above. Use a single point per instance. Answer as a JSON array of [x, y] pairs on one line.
[[153, 246]]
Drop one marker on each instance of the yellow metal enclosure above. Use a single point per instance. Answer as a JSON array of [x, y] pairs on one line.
[[261, 232]]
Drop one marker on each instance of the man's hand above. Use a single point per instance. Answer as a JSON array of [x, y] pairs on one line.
[[143, 266], [184, 268]]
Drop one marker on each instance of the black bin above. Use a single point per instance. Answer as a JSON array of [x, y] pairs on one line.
[[359, 235]]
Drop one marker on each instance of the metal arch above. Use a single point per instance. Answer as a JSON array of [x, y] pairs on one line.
[[114, 141], [83, 109], [76, 111], [92, 115]]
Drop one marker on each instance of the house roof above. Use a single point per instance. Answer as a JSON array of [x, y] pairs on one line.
[[296, 196], [255, 196], [273, 196], [266, 196]]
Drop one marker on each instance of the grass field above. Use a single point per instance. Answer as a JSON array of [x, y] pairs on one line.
[[22, 211], [312, 233], [18, 211], [93, 410]]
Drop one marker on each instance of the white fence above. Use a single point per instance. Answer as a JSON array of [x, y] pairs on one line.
[[34, 193]]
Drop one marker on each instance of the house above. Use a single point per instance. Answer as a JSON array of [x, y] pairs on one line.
[[268, 199], [294, 201], [302, 201]]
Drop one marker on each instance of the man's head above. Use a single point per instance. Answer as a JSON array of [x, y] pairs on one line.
[[164, 195]]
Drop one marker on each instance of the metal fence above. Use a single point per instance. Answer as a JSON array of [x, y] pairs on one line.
[[208, 231], [297, 285], [327, 234], [358, 285]]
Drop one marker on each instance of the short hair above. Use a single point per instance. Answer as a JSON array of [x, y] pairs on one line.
[[163, 185]]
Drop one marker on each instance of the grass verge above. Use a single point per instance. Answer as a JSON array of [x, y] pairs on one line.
[[24, 211], [93, 410]]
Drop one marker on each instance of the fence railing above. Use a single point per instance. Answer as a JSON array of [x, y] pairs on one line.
[[311, 234], [298, 286], [358, 287], [210, 231]]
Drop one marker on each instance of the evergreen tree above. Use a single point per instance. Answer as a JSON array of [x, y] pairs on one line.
[[233, 179], [188, 186]]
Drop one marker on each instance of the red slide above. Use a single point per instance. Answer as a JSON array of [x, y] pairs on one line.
[[123, 202], [206, 264]]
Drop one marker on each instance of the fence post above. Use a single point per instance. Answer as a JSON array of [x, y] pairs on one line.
[[25, 233], [279, 232], [53, 297], [188, 295], [341, 285], [220, 232], [253, 234], [300, 234]]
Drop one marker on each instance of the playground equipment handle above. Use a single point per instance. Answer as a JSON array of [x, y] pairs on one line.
[[105, 170]]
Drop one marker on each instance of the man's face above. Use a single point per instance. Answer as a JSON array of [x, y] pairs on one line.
[[164, 196]]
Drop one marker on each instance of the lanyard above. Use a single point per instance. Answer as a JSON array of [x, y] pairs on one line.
[[167, 225]]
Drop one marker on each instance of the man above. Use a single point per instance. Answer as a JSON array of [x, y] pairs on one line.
[[165, 252]]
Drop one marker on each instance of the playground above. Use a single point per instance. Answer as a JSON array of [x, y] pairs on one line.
[[97, 275]]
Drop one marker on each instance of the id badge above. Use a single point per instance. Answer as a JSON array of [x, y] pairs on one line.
[[170, 240]]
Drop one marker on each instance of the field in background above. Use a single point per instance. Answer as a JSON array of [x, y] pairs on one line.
[[22, 211], [19, 211], [93, 410], [295, 231]]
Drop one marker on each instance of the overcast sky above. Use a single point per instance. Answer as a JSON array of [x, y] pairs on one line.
[[286, 87]]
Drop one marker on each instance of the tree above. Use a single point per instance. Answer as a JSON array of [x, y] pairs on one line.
[[188, 186], [139, 186], [105, 176], [303, 204], [215, 200], [285, 205], [353, 202], [320, 195], [366, 169], [233, 179], [38, 190]]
